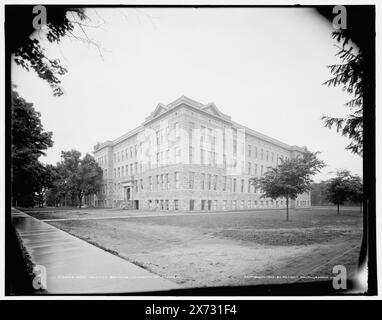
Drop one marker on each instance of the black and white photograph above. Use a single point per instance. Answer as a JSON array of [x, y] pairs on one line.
[[190, 150]]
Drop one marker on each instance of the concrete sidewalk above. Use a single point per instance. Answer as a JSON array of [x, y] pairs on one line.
[[74, 266]]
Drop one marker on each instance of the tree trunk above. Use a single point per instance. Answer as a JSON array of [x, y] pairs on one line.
[[287, 209], [79, 200], [338, 208]]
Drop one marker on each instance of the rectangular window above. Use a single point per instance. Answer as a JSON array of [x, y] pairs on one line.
[[190, 155], [192, 205], [191, 180], [176, 128], [203, 205], [151, 183], [215, 181], [242, 204], [162, 181], [202, 156], [202, 181], [262, 154], [202, 134], [176, 180], [177, 154], [131, 169], [123, 171], [208, 181], [255, 152], [234, 185], [224, 205], [242, 185], [167, 182], [176, 204], [115, 172], [262, 170], [272, 154], [249, 204], [119, 172], [267, 156], [157, 180], [249, 168], [224, 183], [249, 150], [141, 184]]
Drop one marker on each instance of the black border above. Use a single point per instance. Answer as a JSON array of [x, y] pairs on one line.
[[369, 163]]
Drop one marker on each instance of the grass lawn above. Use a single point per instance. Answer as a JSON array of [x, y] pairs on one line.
[[217, 249]]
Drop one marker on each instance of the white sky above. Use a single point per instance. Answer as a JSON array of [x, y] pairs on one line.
[[263, 67]]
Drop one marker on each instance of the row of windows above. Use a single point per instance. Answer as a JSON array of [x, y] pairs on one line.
[[235, 204], [127, 153], [102, 160], [163, 204], [129, 169], [267, 156], [162, 181], [164, 134], [255, 171]]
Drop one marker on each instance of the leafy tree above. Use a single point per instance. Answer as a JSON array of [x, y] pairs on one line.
[[356, 190], [28, 50], [75, 177], [89, 177], [343, 187], [44, 182], [29, 140], [289, 179]]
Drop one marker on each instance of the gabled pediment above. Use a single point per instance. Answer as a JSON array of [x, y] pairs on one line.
[[211, 108], [158, 110]]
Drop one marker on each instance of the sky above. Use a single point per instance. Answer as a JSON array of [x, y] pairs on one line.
[[262, 66]]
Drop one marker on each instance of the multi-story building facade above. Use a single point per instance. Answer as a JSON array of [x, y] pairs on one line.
[[189, 156]]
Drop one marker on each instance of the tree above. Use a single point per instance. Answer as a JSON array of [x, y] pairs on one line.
[[349, 75], [343, 187], [75, 177], [45, 181], [356, 190], [89, 177], [28, 51], [29, 140], [289, 179]]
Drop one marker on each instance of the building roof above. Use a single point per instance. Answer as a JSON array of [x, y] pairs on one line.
[[210, 109]]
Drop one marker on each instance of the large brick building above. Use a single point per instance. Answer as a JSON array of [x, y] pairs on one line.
[[189, 156]]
